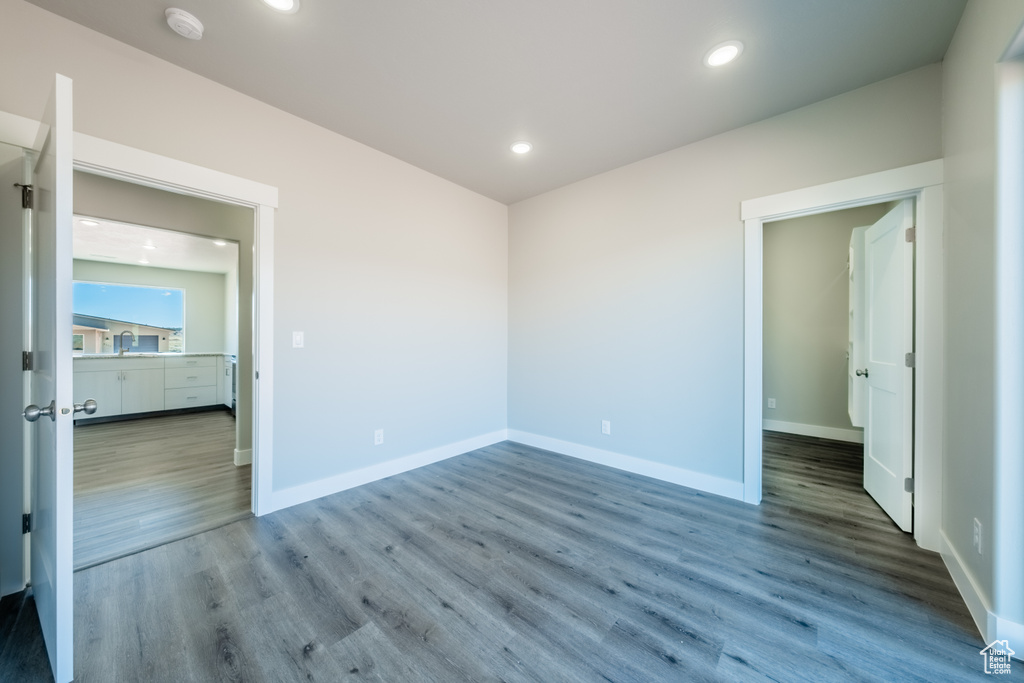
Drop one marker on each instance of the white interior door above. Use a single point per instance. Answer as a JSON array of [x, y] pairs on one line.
[[52, 450], [856, 387], [888, 428]]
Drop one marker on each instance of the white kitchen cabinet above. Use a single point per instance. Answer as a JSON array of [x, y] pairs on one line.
[[120, 386], [104, 386], [190, 397], [142, 391], [190, 382]]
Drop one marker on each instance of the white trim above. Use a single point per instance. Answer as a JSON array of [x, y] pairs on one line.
[[834, 433], [753, 357], [1004, 629], [1008, 474], [990, 625], [117, 161], [243, 456], [845, 194], [922, 181], [347, 480], [113, 160], [969, 589], [263, 360], [929, 377], [628, 463], [17, 130]]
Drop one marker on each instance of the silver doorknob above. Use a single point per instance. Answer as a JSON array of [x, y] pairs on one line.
[[862, 373], [34, 412], [89, 407]]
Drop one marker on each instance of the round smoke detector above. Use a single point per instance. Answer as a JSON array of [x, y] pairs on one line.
[[184, 24]]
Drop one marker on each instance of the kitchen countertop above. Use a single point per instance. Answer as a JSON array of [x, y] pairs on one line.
[[148, 355]]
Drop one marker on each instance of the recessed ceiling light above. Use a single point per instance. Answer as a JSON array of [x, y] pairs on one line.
[[220, 243], [85, 221], [283, 6], [148, 246], [723, 53], [143, 261], [521, 147]]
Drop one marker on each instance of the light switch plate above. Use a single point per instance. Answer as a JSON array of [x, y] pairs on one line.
[[298, 340]]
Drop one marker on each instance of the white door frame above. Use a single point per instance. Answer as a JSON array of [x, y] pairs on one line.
[[924, 183], [113, 160]]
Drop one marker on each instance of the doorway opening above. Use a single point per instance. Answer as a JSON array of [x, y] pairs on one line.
[[158, 461], [923, 183], [816, 380]]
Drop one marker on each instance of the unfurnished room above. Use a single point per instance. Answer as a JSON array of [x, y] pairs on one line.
[[460, 341]]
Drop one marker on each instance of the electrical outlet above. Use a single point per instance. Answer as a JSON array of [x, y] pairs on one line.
[[378, 437], [977, 535], [298, 340], [606, 427], [771, 403]]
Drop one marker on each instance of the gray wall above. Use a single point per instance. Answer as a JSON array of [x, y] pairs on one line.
[[204, 297], [626, 290], [397, 277], [806, 316], [969, 119]]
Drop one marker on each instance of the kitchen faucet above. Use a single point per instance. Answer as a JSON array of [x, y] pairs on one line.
[[121, 352]]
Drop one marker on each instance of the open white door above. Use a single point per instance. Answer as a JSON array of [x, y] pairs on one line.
[[50, 393], [856, 387], [888, 427]]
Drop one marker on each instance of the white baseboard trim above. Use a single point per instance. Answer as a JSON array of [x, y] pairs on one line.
[[243, 457], [655, 470], [991, 626], [1007, 630], [834, 433], [347, 480], [977, 605]]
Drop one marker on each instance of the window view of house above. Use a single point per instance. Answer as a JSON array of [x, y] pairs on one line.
[[105, 313]]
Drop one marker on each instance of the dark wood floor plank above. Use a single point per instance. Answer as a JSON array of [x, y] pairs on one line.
[[515, 564]]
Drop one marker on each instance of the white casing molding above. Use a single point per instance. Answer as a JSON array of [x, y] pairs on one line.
[[923, 182], [243, 456], [120, 162], [347, 480], [834, 433], [628, 463]]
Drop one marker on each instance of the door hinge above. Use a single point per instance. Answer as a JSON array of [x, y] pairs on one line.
[[910, 360], [26, 360], [911, 234], [26, 523], [908, 484], [26, 195]]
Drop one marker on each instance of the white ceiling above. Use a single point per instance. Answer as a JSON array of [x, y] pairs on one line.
[[448, 85], [114, 242]]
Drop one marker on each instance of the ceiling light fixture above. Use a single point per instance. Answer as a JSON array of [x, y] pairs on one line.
[[148, 246], [184, 24], [521, 147], [283, 6], [143, 261], [220, 243], [723, 53], [86, 221]]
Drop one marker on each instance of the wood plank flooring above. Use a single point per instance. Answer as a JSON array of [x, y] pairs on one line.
[[140, 483], [514, 564]]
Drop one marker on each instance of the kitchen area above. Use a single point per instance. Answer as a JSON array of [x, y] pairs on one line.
[[155, 337]]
